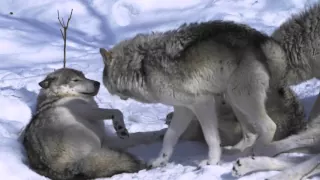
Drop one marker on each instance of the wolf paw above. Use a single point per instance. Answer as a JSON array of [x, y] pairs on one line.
[[159, 162], [121, 130], [123, 133], [243, 166], [207, 162]]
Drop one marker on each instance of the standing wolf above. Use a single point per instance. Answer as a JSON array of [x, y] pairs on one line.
[[64, 139], [300, 39], [187, 68]]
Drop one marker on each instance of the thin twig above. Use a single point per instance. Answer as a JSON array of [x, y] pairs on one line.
[[64, 35], [59, 19], [69, 18]]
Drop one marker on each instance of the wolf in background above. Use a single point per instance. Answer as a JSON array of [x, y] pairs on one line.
[[299, 37]]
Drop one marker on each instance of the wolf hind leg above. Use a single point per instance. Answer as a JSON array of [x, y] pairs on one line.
[[314, 172], [107, 162], [300, 171], [304, 139], [248, 137], [135, 139], [247, 92]]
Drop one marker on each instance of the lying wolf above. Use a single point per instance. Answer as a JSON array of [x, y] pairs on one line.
[[188, 67], [299, 37], [65, 137]]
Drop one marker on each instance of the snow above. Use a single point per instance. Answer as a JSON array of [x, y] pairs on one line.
[[31, 46]]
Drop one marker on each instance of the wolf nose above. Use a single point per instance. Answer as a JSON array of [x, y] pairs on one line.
[[96, 84]]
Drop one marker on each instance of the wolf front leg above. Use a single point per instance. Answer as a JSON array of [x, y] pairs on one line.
[[251, 164], [207, 116], [118, 122], [182, 117], [117, 119], [93, 113]]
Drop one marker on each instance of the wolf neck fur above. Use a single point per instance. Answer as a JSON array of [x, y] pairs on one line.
[[45, 96], [48, 97], [133, 83]]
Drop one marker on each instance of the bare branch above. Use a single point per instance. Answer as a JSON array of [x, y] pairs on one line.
[[59, 19], [64, 25], [69, 18], [62, 34]]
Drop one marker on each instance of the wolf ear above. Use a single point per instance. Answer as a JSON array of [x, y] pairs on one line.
[[106, 55], [45, 83]]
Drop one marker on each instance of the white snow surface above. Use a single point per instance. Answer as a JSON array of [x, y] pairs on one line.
[[31, 46]]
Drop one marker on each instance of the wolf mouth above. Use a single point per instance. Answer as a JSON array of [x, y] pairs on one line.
[[89, 93], [124, 98]]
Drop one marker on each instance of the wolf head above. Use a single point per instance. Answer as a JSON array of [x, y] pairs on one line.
[[122, 74], [69, 82], [111, 87]]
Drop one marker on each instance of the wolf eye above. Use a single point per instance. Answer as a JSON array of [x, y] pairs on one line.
[[75, 80]]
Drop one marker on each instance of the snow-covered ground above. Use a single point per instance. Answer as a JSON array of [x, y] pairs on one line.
[[31, 46]]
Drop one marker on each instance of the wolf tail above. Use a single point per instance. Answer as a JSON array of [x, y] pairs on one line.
[[108, 162], [99, 164]]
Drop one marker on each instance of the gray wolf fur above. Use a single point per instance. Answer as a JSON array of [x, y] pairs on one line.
[[282, 106], [188, 67], [65, 137], [299, 37], [307, 140]]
